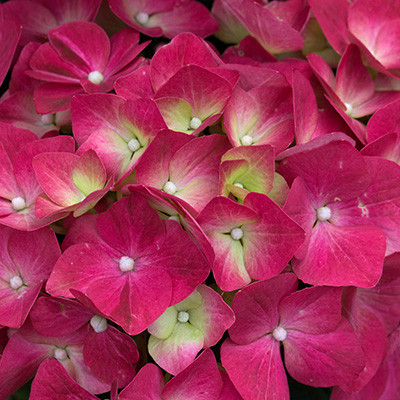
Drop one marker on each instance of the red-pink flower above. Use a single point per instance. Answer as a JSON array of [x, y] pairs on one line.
[[130, 264], [321, 349], [80, 58]]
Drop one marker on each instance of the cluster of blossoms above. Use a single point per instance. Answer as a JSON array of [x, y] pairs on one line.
[[200, 207]]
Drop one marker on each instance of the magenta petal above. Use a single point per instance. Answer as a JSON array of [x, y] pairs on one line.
[[53, 382], [201, 380], [256, 369], [147, 385], [354, 83], [142, 232], [256, 308], [183, 49], [270, 243], [333, 20], [326, 359], [10, 31], [315, 310], [274, 34], [139, 297], [181, 259], [82, 44], [117, 352], [345, 256], [17, 370], [77, 267]]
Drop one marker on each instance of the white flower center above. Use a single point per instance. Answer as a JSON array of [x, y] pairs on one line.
[[16, 282], [18, 203], [183, 316], [349, 108], [142, 18], [169, 188], [323, 213], [134, 145], [60, 354], [238, 185], [99, 323], [126, 264], [47, 119], [96, 77], [247, 140], [279, 333], [195, 123], [174, 218], [236, 234]]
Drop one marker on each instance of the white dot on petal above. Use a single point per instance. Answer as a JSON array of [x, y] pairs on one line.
[[183, 316], [134, 145], [96, 77], [47, 119], [174, 218], [349, 108], [236, 234], [195, 123], [279, 333], [60, 354], [126, 264], [238, 185], [16, 282], [169, 187], [247, 140], [323, 213], [99, 323], [142, 18], [18, 203]]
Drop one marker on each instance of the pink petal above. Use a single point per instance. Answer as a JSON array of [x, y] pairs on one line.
[[147, 385], [132, 227], [199, 381], [275, 35], [178, 350], [333, 20], [117, 352], [270, 243], [256, 369], [256, 308], [10, 31], [82, 44], [326, 359], [213, 316], [345, 255], [354, 84], [52, 381], [183, 49]]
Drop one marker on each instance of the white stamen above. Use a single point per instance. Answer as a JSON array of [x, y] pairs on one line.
[[96, 77], [323, 213], [247, 140], [174, 218], [142, 18], [279, 333], [236, 234], [238, 185], [126, 264], [60, 354], [99, 323], [169, 188], [195, 123], [349, 108], [134, 145], [18, 203], [183, 316], [16, 282], [47, 119]]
